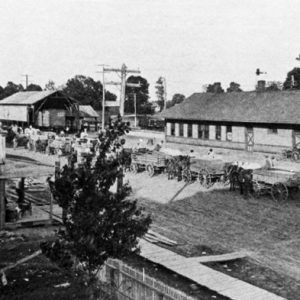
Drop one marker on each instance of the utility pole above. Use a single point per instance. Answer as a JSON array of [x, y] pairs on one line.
[[135, 110], [26, 76], [165, 92], [103, 97], [134, 85], [123, 71]]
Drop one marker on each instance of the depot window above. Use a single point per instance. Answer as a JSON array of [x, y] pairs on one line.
[[203, 132], [190, 130], [272, 131], [173, 129], [218, 132], [229, 133], [180, 129]]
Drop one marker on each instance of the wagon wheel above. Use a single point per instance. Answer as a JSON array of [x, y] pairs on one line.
[[257, 192], [205, 178], [279, 192], [224, 179], [150, 169], [134, 168], [295, 155]]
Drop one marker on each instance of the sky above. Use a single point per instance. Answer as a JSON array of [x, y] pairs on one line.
[[189, 42]]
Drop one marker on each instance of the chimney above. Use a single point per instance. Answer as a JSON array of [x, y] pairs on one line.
[[217, 87], [261, 86]]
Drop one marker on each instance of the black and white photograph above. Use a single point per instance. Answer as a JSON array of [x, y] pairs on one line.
[[150, 150]]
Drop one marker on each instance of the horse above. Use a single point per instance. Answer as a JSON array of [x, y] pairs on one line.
[[240, 178], [171, 168]]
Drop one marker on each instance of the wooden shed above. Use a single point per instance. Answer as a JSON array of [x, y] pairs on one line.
[[43, 109], [88, 117]]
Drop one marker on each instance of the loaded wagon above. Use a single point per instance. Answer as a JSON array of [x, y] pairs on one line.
[[207, 172], [151, 161], [278, 183], [61, 146]]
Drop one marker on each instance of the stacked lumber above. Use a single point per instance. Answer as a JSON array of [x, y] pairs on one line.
[[156, 238]]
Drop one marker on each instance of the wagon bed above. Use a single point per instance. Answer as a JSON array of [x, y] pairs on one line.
[[207, 171], [213, 166], [151, 161], [276, 182], [272, 176]]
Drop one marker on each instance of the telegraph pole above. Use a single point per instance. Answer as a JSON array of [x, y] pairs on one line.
[[26, 76], [103, 97], [165, 92], [134, 85], [123, 71]]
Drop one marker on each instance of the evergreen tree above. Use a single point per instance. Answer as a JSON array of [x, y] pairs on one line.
[[98, 223]]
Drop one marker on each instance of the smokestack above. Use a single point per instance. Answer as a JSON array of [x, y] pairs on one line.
[[261, 86]]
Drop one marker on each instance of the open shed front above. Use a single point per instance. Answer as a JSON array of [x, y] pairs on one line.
[[46, 109], [40, 210]]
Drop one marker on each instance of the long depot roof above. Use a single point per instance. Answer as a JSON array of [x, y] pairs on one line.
[[252, 107], [26, 98]]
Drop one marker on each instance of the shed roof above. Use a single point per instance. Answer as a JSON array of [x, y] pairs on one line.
[[27, 98], [251, 107], [87, 111]]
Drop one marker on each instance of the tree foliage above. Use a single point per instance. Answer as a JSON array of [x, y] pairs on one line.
[[292, 80], [142, 96], [99, 223], [87, 91], [33, 87], [160, 92], [10, 89], [234, 87], [1, 92], [274, 86], [177, 98], [215, 88], [50, 85]]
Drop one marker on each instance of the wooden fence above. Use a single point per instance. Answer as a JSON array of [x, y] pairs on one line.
[[126, 283]]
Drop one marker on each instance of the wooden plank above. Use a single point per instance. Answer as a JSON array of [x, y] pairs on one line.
[[222, 283], [160, 237], [220, 258], [21, 261]]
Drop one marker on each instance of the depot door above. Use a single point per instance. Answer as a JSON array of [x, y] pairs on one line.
[[249, 138], [296, 137]]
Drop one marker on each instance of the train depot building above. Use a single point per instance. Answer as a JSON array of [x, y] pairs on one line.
[[251, 121], [43, 109]]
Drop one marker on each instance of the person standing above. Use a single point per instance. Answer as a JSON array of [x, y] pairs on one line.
[[268, 163]]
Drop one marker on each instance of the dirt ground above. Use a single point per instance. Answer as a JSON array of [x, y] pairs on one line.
[[225, 221], [218, 221]]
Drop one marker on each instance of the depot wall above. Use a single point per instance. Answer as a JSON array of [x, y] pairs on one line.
[[266, 139]]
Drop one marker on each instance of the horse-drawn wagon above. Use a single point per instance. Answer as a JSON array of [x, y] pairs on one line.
[[276, 182], [206, 171], [151, 161], [59, 145]]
